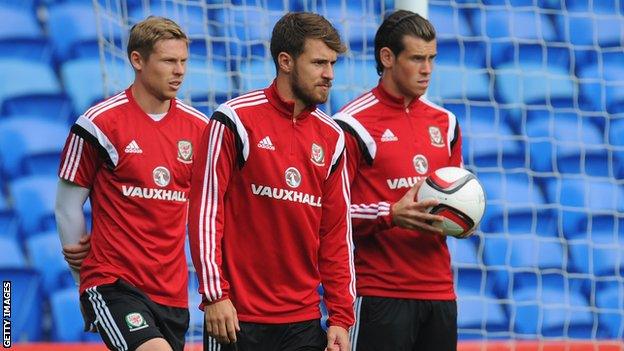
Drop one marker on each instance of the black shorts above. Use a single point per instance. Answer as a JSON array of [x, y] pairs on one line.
[[300, 336], [125, 317], [404, 325]]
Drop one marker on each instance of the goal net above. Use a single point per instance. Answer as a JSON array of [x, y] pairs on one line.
[[538, 89]]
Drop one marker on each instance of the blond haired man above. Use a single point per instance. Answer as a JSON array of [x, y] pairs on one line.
[[132, 155]]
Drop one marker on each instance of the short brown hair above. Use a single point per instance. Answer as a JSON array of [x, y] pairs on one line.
[[145, 34], [398, 24], [291, 31]]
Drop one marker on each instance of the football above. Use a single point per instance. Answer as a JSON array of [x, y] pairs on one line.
[[461, 200]]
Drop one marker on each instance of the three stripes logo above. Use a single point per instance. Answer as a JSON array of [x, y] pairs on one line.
[[266, 143], [133, 148], [388, 136]]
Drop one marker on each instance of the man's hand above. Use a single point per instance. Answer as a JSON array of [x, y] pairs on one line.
[[337, 339], [221, 321], [410, 214], [76, 253]]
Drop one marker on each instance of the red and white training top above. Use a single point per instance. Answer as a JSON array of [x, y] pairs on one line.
[[390, 147], [269, 217], [139, 174]]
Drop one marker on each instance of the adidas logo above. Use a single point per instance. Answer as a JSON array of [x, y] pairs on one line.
[[266, 143], [388, 136], [133, 148]]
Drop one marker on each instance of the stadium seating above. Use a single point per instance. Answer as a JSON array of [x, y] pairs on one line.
[[30, 145], [348, 84], [616, 130], [27, 78], [610, 306], [490, 142], [8, 223], [450, 23], [44, 251], [565, 142], [34, 198], [192, 19], [72, 31], [252, 73], [84, 82], [26, 304], [12, 253], [551, 308], [20, 34], [581, 198], [610, 95], [67, 321]]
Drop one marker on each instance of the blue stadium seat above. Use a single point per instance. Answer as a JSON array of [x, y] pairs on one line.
[[73, 31], [551, 309], [67, 321], [44, 250], [463, 52], [515, 205], [84, 82], [351, 79], [26, 306], [12, 256], [8, 222], [208, 80], [356, 23], [610, 304], [581, 197], [27, 78], [20, 34], [34, 198], [565, 142], [604, 7], [529, 83], [30, 145], [479, 314], [489, 141], [449, 22], [192, 17], [523, 23], [196, 323], [468, 84], [255, 74], [250, 25], [524, 256], [616, 130], [21, 5], [600, 252], [591, 29], [55, 107], [601, 84], [464, 252]]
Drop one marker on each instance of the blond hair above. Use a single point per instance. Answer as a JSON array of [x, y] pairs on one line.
[[145, 34]]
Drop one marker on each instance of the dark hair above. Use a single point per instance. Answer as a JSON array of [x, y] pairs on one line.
[[397, 25], [291, 31], [145, 34]]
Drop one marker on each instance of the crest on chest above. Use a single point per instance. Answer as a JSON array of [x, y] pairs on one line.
[[435, 135]]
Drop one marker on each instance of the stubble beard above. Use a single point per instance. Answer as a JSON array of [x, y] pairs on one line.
[[306, 96]]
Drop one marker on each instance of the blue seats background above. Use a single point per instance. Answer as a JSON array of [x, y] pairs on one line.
[[536, 85]]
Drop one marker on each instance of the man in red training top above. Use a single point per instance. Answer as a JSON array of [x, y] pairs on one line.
[[269, 217], [395, 138], [132, 155]]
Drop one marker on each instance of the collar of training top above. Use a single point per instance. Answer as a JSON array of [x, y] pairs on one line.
[[393, 101], [285, 107]]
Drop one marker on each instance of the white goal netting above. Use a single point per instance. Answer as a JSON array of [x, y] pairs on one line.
[[538, 89]]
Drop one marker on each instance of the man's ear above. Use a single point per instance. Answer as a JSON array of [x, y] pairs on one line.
[[387, 57], [285, 62]]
